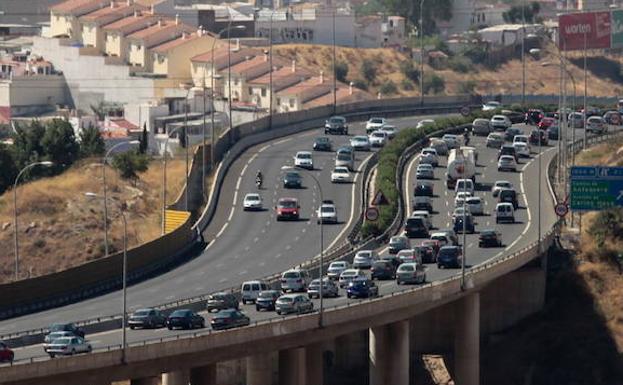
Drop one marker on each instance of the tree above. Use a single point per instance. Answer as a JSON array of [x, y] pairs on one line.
[[182, 136], [27, 143], [434, 83], [513, 15], [130, 163], [59, 144], [409, 71], [8, 172], [410, 9], [91, 142], [143, 140], [388, 88], [341, 71], [368, 70]]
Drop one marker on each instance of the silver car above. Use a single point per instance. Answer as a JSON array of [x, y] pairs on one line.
[[336, 268], [295, 280], [68, 346], [293, 303], [54, 336], [360, 143], [364, 259], [495, 140], [329, 288], [410, 273], [349, 275], [425, 171]]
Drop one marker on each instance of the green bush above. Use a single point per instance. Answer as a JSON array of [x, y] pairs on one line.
[[388, 88], [460, 64], [368, 71], [361, 84], [130, 163], [434, 83], [341, 71], [409, 71], [407, 85]]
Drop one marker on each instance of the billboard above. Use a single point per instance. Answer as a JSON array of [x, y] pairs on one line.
[[590, 29], [617, 29]]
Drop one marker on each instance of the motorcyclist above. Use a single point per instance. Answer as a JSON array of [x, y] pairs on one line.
[[466, 136], [259, 178]]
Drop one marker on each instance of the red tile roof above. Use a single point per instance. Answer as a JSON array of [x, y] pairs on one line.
[[283, 77], [309, 89], [131, 24], [158, 33], [220, 55], [343, 96], [78, 7], [169, 45], [108, 15]]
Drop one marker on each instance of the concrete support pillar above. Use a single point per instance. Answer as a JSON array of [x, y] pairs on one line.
[[351, 352], [145, 381], [260, 370], [389, 354], [292, 367], [203, 375], [178, 377], [314, 364], [467, 341]]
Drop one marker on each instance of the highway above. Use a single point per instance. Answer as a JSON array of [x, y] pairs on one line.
[[243, 245], [515, 236]]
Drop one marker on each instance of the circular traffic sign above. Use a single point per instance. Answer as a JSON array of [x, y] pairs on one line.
[[561, 209], [372, 214], [465, 110]]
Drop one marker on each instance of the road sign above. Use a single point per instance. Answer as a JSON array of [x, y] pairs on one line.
[[372, 214], [465, 111], [596, 188], [379, 199], [561, 209]]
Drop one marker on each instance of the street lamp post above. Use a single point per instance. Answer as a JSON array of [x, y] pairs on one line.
[[164, 177], [421, 52], [124, 276], [15, 230], [523, 53], [334, 80]]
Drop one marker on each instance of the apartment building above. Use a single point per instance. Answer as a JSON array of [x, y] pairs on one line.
[[64, 17], [116, 33], [172, 58], [92, 33]]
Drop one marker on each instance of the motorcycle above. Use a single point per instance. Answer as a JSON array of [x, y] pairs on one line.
[[258, 183]]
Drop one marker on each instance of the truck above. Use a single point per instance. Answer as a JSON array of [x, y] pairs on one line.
[[461, 165]]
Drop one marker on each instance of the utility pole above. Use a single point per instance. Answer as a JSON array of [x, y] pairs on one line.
[[421, 31], [523, 53]]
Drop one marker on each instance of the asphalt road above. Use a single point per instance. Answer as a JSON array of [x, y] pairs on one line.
[[515, 236]]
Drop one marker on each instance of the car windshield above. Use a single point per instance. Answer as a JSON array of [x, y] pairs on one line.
[[343, 156], [291, 274], [63, 340], [180, 313], [406, 268], [303, 156], [225, 314], [266, 294], [473, 200], [141, 313], [376, 120], [349, 273], [322, 140], [59, 327], [447, 252], [360, 139], [338, 264], [287, 204], [253, 197], [286, 299], [327, 209], [506, 158], [378, 135], [336, 120], [504, 184]]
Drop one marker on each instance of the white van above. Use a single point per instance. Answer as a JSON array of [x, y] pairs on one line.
[[295, 280], [251, 289], [345, 159], [504, 212], [464, 185]]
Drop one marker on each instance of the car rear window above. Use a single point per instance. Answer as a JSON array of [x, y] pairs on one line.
[[287, 204], [407, 268], [291, 274], [286, 299]]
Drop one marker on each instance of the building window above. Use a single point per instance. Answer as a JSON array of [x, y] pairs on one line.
[[250, 91], [292, 102], [278, 101], [263, 92]]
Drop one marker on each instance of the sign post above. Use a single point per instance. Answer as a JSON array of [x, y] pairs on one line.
[[596, 188]]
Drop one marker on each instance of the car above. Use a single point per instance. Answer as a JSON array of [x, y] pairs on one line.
[[327, 213], [288, 208], [423, 188], [53, 336], [378, 138], [410, 273], [495, 140], [439, 145], [525, 139], [546, 122], [511, 132], [434, 246], [464, 185], [504, 212], [481, 127], [509, 196], [416, 227], [393, 259], [340, 175], [336, 125], [336, 268], [6, 354], [65, 346], [514, 116], [397, 243], [429, 254], [360, 143], [229, 319], [575, 120], [451, 234], [596, 125], [522, 149], [411, 255], [426, 217], [349, 275], [499, 185], [295, 280], [464, 221], [460, 211], [461, 197], [65, 327], [389, 130], [489, 238], [442, 239], [425, 171], [507, 163], [508, 149], [424, 122], [536, 135], [329, 288], [475, 205], [252, 201], [293, 303], [491, 106], [304, 159], [185, 319], [449, 256], [292, 179], [362, 288], [364, 259], [148, 318], [345, 158], [266, 300], [383, 269], [452, 141], [220, 301], [533, 116], [613, 117], [322, 143], [374, 124], [429, 155], [423, 203], [250, 290], [552, 132], [500, 122]]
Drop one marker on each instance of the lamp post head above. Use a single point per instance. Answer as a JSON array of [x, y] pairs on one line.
[[134, 142], [47, 163]]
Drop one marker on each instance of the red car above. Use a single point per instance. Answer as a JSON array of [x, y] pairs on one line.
[[434, 244], [546, 122], [288, 208], [6, 354]]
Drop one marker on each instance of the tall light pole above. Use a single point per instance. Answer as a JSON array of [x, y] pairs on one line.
[[270, 72], [186, 144], [334, 80], [105, 189], [523, 53], [464, 246], [124, 275], [164, 178], [15, 230], [421, 52], [585, 95]]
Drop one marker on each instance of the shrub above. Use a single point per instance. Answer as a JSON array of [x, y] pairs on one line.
[[409, 71], [130, 163], [434, 83], [91, 142], [407, 85], [388, 88], [460, 64], [361, 84], [368, 71], [341, 70]]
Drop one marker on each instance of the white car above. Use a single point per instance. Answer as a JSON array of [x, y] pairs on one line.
[[378, 138], [364, 259], [522, 149], [340, 175], [507, 163], [304, 159], [504, 212], [452, 141], [475, 205], [350, 275], [327, 213], [500, 122], [460, 198], [458, 212], [426, 217], [374, 124], [596, 124], [336, 268], [360, 143], [464, 185], [501, 185], [68, 346], [429, 156], [491, 106], [521, 139], [389, 130], [442, 238], [295, 280], [425, 171], [252, 201], [424, 122]]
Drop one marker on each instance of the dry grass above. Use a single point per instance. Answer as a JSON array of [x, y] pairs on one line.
[[59, 227]]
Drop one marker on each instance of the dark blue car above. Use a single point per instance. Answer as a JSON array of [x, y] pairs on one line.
[[449, 256], [362, 289], [469, 224]]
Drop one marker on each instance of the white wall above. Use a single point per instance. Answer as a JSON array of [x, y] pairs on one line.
[[317, 31]]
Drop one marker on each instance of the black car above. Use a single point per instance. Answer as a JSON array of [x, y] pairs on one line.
[[147, 318], [469, 224], [507, 150], [185, 319], [423, 189], [533, 116], [393, 260], [292, 179], [534, 137], [415, 227], [552, 132], [336, 125], [383, 269], [510, 133], [67, 327], [229, 319], [514, 116], [322, 143], [221, 301], [449, 256], [429, 254], [508, 196], [363, 288], [489, 238], [266, 300]]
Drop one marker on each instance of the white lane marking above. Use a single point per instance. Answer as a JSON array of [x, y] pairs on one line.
[[243, 272], [264, 148], [221, 232], [408, 181], [278, 256], [283, 141], [222, 280], [256, 239]]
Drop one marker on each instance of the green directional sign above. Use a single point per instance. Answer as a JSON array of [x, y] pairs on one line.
[[596, 187], [617, 29]]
